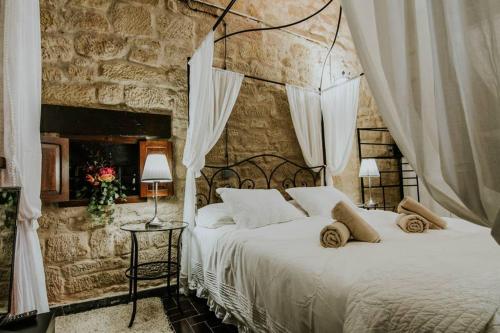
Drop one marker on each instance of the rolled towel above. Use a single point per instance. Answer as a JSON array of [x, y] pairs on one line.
[[409, 206], [360, 230], [334, 235], [412, 223]]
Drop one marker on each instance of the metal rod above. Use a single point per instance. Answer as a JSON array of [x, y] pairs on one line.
[[336, 85], [275, 27], [249, 17], [331, 47], [188, 87], [226, 10], [264, 80]]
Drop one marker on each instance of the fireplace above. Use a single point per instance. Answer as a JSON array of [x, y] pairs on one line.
[[71, 137]]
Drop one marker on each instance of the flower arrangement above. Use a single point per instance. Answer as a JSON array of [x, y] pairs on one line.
[[102, 187]]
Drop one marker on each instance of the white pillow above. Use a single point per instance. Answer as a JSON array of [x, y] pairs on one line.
[[257, 208], [319, 201], [214, 216]]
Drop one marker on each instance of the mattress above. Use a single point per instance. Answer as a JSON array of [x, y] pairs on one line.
[[279, 279]]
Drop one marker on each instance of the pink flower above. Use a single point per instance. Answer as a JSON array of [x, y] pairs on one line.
[[106, 171]]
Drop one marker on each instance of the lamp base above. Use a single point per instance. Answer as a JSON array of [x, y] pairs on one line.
[[155, 222]]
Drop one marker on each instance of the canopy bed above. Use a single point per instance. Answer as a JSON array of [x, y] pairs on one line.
[[270, 274]]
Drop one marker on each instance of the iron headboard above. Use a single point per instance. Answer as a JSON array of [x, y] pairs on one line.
[[267, 171]]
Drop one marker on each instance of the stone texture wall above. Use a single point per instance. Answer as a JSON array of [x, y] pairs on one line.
[[131, 55]]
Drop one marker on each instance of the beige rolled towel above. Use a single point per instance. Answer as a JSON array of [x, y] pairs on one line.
[[410, 206], [334, 235], [360, 230], [412, 223]]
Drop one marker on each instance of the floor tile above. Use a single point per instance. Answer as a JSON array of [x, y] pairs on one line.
[[182, 326], [193, 316], [201, 328]]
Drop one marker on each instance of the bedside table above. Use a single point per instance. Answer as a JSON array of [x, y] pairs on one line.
[[156, 269]]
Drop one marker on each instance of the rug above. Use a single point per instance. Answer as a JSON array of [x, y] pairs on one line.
[[150, 317]]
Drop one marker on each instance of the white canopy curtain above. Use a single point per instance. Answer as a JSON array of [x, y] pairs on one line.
[[339, 105], [22, 102], [433, 69], [213, 93], [305, 108]]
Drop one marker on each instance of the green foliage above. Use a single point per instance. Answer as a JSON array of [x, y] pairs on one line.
[[102, 188]]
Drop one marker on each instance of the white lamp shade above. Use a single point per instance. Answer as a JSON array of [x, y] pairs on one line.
[[369, 168], [156, 169]]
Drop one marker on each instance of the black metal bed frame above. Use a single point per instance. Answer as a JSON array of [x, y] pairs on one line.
[[281, 173], [393, 153]]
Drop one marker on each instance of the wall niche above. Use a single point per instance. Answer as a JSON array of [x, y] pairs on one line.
[[73, 137]]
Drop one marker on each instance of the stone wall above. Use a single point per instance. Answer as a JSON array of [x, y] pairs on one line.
[[131, 55]]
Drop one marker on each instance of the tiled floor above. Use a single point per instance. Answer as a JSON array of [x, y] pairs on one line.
[[193, 316]]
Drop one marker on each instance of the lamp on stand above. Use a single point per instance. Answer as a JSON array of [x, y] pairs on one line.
[[369, 169], [156, 170]]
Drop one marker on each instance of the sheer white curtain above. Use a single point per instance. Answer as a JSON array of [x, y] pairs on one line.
[[305, 109], [22, 100], [339, 105], [433, 69], [212, 95]]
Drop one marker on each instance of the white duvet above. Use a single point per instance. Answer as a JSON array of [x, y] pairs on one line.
[[279, 279]]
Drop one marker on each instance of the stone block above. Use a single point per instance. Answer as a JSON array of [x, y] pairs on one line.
[[78, 73], [149, 98], [49, 19], [66, 247], [177, 77], [86, 267], [122, 243], [126, 71], [56, 49], [102, 243], [131, 20], [95, 281], [100, 46], [176, 28], [110, 94], [145, 51], [54, 283], [85, 20], [98, 4], [146, 2], [52, 73], [68, 94]]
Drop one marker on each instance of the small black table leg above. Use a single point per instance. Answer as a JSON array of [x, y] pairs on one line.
[[169, 261], [131, 270], [134, 279], [177, 269]]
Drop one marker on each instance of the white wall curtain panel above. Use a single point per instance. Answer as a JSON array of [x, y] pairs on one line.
[[22, 102], [305, 109], [433, 69], [339, 105], [212, 95]]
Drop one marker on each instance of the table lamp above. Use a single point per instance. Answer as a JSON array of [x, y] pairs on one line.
[[369, 169], [156, 170]]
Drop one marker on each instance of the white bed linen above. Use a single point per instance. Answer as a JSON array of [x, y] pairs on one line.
[[279, 279]]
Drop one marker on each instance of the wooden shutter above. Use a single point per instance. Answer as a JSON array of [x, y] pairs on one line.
[[149, 146], [55, 169]]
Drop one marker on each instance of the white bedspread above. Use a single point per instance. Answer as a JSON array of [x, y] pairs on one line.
[[279, 279]]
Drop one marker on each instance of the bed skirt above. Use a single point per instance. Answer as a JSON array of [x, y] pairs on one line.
[[238, 310]]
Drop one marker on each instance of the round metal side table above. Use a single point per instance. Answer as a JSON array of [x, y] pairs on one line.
[[156, 269]]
